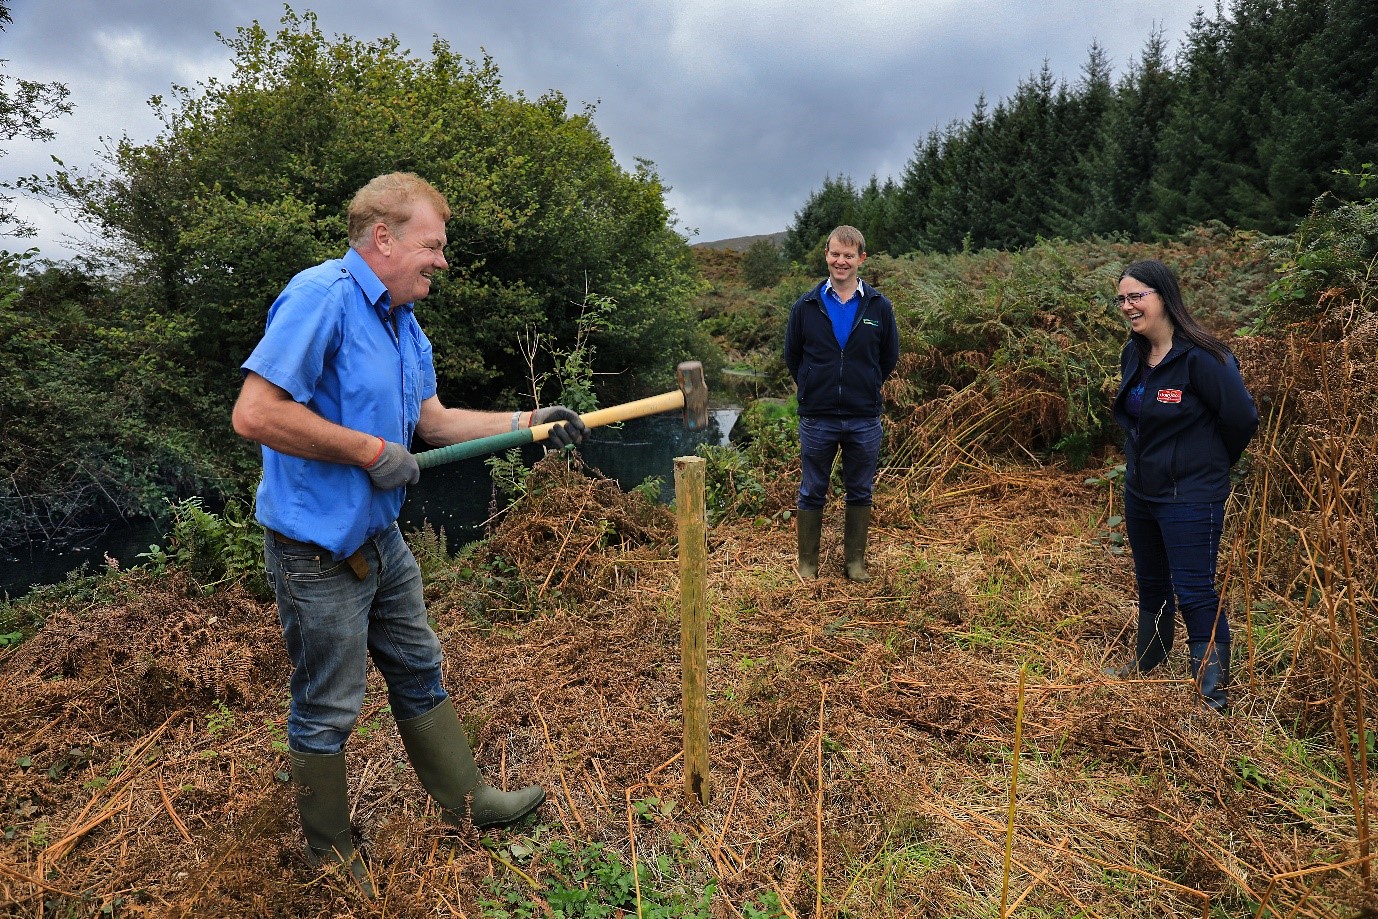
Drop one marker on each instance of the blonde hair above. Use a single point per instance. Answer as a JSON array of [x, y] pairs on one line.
[[389, 199], [849, 236]]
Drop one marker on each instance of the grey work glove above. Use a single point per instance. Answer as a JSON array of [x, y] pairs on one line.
[[562, 435], [393, 468]]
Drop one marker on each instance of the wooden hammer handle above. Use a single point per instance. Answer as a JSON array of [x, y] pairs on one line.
[[611, 415], [652, 405]]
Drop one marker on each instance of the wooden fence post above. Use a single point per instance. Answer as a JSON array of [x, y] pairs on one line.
[[693, 631]]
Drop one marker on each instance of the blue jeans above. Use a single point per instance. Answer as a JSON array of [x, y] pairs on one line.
[[1175, 550], [333, 622], [819, 440]]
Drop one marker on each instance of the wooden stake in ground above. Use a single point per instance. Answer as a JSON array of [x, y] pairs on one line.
[[1014, 793], [693, 630]]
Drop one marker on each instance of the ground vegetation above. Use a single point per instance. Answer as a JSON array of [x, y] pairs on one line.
[[941, 741]]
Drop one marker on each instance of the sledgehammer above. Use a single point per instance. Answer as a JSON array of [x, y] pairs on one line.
[[691, 396]]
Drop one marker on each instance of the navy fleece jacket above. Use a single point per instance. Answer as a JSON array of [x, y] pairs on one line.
[[1197, 418], [837, 381]]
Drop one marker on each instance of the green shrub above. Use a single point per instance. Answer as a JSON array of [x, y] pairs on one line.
[[215, 549], [732, 483], [1333, 253], [1038, 323]]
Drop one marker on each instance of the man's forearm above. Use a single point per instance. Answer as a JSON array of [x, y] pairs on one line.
[[310, 436], [441, 427], [267, 415]]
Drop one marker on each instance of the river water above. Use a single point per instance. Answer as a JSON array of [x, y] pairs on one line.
[[454, 497]]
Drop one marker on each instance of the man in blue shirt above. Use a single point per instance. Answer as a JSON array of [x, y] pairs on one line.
[[334, 392], [841, 343]]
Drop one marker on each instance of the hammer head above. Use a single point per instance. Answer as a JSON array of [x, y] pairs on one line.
[[689, 374]]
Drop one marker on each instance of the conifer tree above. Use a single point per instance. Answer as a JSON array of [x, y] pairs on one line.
[[1081, 130], [833, 204], [1120, 171]]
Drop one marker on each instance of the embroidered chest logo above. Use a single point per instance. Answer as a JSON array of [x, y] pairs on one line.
[[1169, 395]]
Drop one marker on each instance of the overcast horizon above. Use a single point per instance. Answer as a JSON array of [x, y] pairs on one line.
[[745, 109]]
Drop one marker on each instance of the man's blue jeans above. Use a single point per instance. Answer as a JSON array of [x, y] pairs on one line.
[[1175, 550], [333, 622], [819, 440]]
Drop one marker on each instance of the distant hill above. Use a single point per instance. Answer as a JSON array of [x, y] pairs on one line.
[[741, 243]]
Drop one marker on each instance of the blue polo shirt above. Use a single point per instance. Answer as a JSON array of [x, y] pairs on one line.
[[842, 314], [336, 344]]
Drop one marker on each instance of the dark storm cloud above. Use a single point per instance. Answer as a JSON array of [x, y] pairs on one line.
[[744, 107]]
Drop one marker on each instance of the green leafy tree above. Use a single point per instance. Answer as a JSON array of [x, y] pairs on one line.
[[1329, 108], [762, 264], [250, 178], [1028, 149], [24, 112], [871, 210], [943, 198], [1082, 114], [93, 396], [875, 213], [1219, 151]]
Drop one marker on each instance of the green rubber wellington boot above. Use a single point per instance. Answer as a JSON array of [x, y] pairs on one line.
[[323, 799], [439, 752], [810, 524], [854, 541]]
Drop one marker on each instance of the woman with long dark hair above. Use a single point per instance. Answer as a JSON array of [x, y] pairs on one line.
[[1187, 418]]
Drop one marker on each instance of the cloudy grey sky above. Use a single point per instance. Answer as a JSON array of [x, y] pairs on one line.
[[745, 107]]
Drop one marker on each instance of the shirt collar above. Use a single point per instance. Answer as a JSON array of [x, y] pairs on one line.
[[372, 288], [828, 287]]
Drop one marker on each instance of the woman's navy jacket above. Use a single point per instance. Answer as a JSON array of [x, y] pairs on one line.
[[1196, 420], [842, 382]]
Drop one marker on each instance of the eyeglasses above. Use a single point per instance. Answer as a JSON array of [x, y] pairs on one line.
[[1135, 297]]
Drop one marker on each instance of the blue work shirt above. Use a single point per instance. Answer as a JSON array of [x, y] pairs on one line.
[[842, 314], [338, 346]]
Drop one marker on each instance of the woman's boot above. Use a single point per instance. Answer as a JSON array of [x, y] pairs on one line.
[[322, 793], [1210, 669], [1153, 640], [439, 752]]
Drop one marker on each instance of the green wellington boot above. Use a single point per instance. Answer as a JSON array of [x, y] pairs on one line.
[[810, 525], [439, 752], [854, 541], [323, 800]]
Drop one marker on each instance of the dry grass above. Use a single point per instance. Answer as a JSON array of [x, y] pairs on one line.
[[867, 729]]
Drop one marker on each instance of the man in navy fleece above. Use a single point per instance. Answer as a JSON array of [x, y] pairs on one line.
[[841, 344]]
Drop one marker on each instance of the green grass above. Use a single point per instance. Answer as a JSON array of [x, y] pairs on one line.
[[592, 882]]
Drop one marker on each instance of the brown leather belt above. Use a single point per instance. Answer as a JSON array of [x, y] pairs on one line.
[[356, 562]]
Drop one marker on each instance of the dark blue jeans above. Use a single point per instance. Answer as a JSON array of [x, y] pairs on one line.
[[333, 622], [819, 441], [1175, 550]]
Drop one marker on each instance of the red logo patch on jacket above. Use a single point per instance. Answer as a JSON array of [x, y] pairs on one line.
[[1169, 395]]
